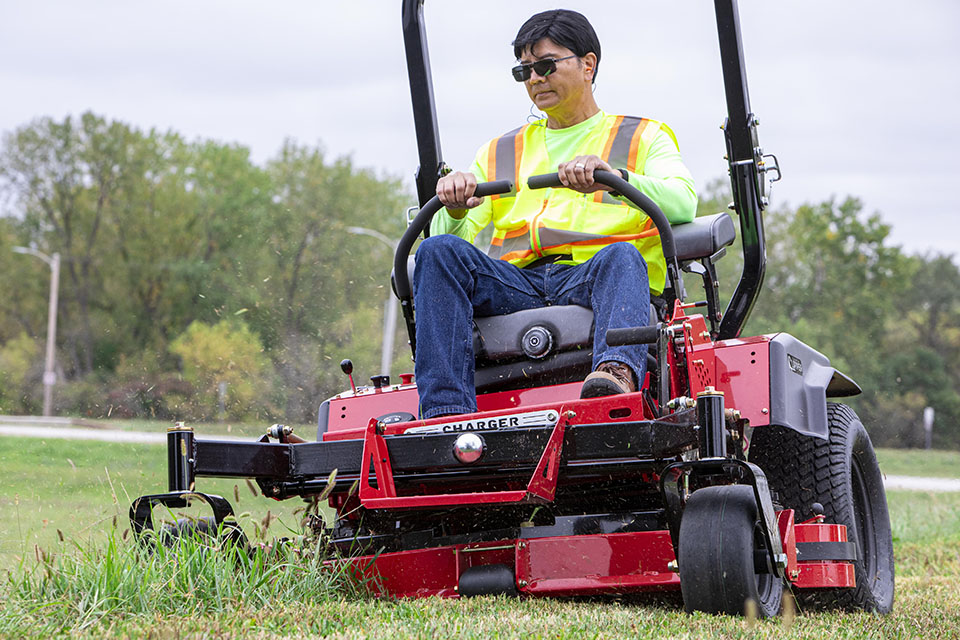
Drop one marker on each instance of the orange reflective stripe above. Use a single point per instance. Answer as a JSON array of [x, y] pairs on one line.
[[535, 226], [503, 159], [517, 156], [517, 232], [605, 156], [492, 163], [516, 255]]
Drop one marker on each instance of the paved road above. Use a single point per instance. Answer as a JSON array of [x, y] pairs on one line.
[[105, 435], [909, 483]]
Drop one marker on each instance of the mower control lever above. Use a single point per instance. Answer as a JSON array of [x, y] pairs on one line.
[[401, 280], [617, 181], [421, 222], [634, 335]]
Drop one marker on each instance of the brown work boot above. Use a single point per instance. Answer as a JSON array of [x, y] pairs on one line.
[[609, 379]]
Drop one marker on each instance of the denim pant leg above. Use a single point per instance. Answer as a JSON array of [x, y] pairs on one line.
[[614, 284], [453, 280]]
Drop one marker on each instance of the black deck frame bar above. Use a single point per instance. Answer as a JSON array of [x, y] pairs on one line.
[[416, 458]]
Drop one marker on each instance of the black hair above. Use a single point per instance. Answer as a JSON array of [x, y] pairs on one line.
[[567, 28]]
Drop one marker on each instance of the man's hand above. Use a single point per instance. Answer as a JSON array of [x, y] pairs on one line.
[[578, 174], [455, 191]]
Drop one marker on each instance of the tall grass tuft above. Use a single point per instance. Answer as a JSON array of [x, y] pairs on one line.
[[80, 586]]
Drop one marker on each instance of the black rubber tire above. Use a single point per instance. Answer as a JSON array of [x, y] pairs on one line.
[[719, 532], [842, 475]]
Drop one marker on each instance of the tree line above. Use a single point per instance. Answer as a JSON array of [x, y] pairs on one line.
[[197, 284]]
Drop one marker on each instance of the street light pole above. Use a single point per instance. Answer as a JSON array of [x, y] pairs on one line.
[[49, 371], [390, 307]]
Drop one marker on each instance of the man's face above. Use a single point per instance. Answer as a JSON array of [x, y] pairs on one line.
[[561, 89]]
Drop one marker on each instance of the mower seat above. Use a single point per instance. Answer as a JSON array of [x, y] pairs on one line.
[[553, 345]]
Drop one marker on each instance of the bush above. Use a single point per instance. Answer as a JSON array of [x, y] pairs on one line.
[[226, 353], [20, 369]]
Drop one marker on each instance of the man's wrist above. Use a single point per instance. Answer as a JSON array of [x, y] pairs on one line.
[[456, 214]]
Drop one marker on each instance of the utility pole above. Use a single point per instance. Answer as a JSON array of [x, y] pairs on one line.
[[391, 306], [49, 370]]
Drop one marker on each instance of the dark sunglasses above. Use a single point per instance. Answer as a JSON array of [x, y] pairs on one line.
[[544, 67]]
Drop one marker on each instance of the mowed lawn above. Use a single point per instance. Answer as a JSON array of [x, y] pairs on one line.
[[80, 489]]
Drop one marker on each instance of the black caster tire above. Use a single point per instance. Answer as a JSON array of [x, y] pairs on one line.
[[719, 534], [841, 474], [203, 529]]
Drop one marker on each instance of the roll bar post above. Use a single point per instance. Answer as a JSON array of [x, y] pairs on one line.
[[424, 103], [746, 162]]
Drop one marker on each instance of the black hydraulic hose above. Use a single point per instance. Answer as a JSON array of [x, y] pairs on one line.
[[401, 279], [618, 183]]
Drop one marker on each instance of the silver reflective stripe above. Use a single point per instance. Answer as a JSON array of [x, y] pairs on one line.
[[620, 149], [520, 243], [506, 158], [556, 237]]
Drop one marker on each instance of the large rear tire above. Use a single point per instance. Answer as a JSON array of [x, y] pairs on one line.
[[841, 474], [719, 534]]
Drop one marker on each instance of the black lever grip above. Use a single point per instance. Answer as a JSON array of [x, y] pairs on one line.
[[493, 188], [633, 335], [552, 180]]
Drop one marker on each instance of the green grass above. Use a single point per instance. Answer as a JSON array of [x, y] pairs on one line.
[[918, 462], [96, 584], [79, 487]]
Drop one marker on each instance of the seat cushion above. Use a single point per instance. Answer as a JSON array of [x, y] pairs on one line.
[[501, 337]]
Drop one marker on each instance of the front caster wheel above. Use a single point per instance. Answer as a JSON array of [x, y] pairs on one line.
[[720, 538]]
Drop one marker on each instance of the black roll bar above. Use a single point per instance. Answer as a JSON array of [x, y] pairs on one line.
[[740, 130], [745, 158], [424, 104]]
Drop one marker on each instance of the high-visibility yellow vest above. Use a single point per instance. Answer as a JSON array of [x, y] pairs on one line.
[[531, 224]]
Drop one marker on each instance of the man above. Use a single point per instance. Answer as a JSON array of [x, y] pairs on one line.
[[582, 246]]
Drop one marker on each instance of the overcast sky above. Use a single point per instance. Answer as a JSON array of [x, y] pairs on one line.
[[855, 97]]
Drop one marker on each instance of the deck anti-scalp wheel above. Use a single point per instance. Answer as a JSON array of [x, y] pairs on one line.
[[201, 529], [719, 538], [842, 475]]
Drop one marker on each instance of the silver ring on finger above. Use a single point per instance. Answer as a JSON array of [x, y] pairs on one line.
[[580, 165]]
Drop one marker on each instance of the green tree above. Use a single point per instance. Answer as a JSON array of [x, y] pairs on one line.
[[325, 288], [921, 351]]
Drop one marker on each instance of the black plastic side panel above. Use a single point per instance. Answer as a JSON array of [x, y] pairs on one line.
[[799, 376], [323, 416]]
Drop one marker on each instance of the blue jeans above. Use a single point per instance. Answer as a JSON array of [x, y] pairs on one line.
[[454, 281]]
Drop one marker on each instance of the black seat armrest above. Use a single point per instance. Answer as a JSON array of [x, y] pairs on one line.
[[704, 236]]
